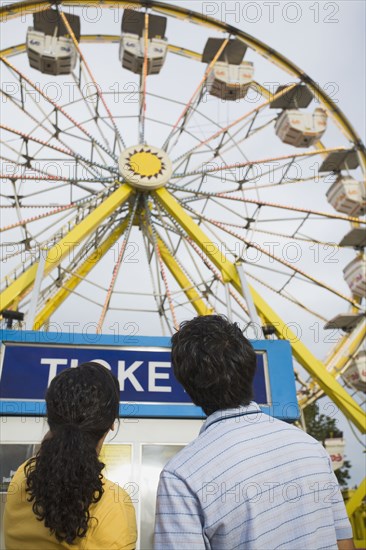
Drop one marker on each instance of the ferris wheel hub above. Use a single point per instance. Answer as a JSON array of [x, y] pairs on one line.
[[145, 167]]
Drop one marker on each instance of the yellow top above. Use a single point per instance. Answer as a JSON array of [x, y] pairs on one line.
[[115, 528]]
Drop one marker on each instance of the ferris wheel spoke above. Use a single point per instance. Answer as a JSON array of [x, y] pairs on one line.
[[176, 134], [45, 175], [306, 211], [233, 141], [143, 81], [82, 58], [195, 95], [155, 278], [189, 286], [195, 235], [76, 272], [25, 281], [219, 154], [250, 113], [28, 138], [217, 275], [185, 159], [291, 181], [287, 297], [260, 203], [216, 153], [205, 285], [58, 109], [84, 208], [25, 222], [117, 265], [75, 277], [81, 203], [168, 252], [276, 258], [258, 161], [282, 261], [24, 228], [157, 252], [95, 117], [84, 162], [301, 238]]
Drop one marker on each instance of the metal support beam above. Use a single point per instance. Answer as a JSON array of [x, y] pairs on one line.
[[336, 364], [301, 353], [355, 507], [77, 277], [228, 302], [36, 290], [356, 499], [254, 317], [186, 285], [66, 244]]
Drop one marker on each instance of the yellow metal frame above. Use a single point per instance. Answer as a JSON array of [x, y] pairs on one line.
[[303, 355], [65, 245], [356, 510], [346, 350], [78, 276], [182, 279], [18, 288], [15, 10], [105, 39]]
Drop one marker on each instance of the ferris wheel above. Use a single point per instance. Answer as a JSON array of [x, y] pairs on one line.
[[151, 173]]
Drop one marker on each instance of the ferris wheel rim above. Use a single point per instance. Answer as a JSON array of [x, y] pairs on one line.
[[162, 7], [14, 10]]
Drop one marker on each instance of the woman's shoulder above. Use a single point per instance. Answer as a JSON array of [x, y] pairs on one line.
[[18, 479], [114, 517], [114, 492]]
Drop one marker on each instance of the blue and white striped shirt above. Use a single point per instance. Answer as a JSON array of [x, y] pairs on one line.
[[249, 481]]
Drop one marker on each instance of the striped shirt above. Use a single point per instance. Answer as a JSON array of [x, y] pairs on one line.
[[249, 481]]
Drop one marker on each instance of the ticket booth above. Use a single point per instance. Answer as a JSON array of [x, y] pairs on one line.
[[157, 417]]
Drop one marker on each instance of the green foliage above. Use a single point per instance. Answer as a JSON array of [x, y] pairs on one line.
[[321, 426]]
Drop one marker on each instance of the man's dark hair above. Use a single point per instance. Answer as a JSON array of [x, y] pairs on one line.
[[214, 362]]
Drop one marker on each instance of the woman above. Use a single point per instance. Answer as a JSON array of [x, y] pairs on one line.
[[59, 498]]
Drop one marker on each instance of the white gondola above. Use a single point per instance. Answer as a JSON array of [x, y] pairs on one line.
[[335, 448], [230, 82], [355, 275], [346, 196], [301, 129], [230, 77], [355, 375], [134, 47], [49, 49]]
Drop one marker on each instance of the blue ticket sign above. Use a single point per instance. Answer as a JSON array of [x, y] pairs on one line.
[[29, 361]]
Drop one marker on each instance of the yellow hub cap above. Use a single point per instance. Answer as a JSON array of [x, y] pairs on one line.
[[145, 167], [145, 164]]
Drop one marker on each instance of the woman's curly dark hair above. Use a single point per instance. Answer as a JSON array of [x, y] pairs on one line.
[[64, 478]]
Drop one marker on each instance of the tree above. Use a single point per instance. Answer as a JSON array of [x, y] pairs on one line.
[[321, 426]]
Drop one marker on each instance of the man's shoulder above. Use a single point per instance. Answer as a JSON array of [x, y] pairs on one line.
[[178, 464], [209, 444]]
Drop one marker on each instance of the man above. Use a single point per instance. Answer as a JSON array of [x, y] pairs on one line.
[[248, 481]]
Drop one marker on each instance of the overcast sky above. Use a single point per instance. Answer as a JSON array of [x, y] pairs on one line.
[[326, 40]]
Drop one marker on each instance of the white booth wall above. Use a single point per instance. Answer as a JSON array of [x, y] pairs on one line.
[[134, 454]]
